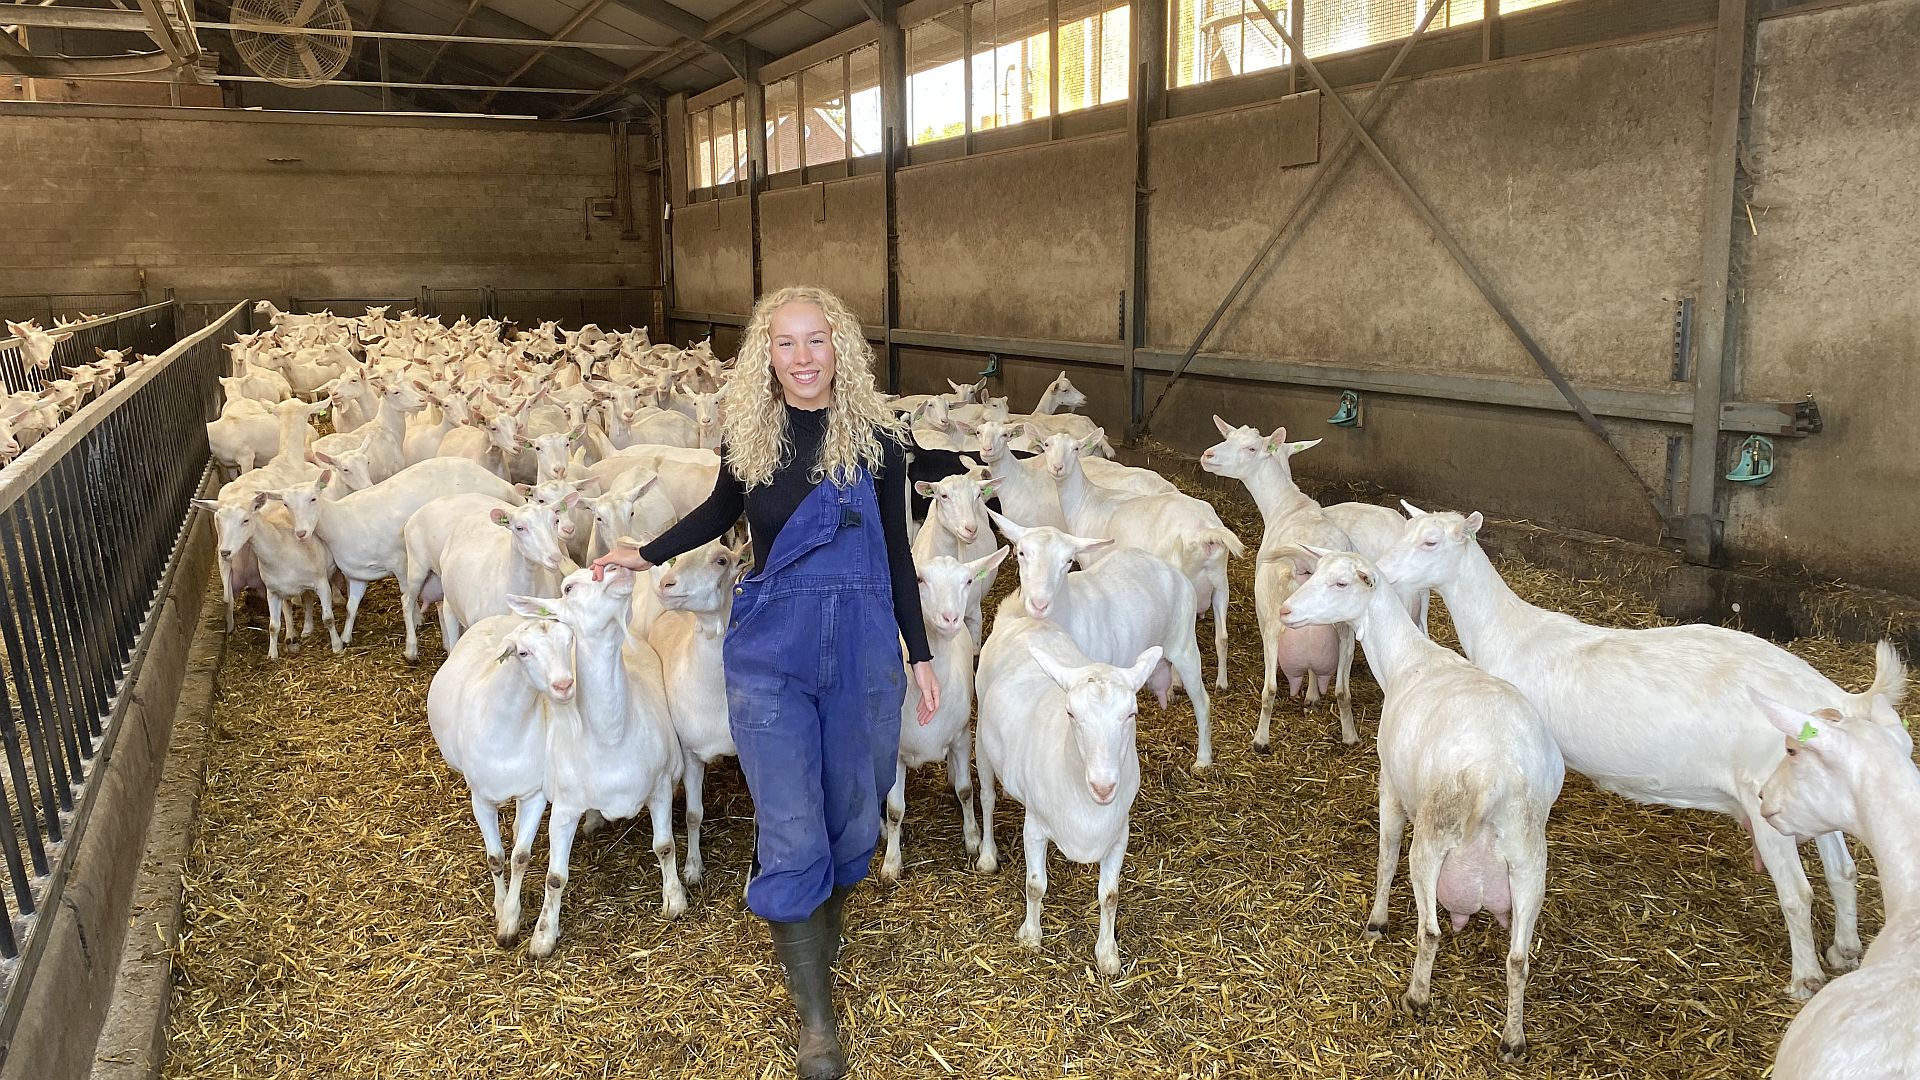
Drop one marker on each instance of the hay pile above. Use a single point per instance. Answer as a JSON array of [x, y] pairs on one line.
[[339, 921]]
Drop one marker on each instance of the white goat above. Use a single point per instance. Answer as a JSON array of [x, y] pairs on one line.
[[1057, 731], [1468, 758], [1027, 492], [949, 591], [1853, 772], [617, 752], [363, 529], [1659, 715], [1131, 599], [1294, 523], [286, 563], [490, 720], [696, 589], [1185, 531], [454, 559]]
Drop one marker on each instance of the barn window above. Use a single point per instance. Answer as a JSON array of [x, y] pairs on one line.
[[937, 78], [783, 125], [1093, 53]]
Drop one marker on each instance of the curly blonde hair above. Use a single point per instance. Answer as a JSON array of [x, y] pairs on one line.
[[753, 417]]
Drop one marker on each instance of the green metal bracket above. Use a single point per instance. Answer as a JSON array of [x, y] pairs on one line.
[[1348, 414], [1756, 461]]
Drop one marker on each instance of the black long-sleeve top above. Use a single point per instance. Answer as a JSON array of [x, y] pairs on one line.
[[768, 507]]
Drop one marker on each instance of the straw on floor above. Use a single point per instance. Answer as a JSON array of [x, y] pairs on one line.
[[339, 919]]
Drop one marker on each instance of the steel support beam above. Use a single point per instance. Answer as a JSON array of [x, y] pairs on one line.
[[459, 25], [717, 32], [1321, 174], [1146, 97], [540, 43], [559, 36], [1714, 356], [893, 143], [755, 99], [693, 28], [1466, 263]]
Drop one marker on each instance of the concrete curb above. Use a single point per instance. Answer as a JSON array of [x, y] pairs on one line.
[[132, 1043]]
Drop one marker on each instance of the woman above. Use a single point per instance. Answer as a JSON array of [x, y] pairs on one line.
[[814, 678]]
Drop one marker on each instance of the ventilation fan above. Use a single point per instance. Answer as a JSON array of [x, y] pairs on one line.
[[315, 54]]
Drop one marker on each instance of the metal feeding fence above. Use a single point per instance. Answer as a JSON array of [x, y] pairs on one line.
[[92, 519], [143, 329]]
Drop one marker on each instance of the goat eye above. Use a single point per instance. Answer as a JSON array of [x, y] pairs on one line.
[[1792, 751]]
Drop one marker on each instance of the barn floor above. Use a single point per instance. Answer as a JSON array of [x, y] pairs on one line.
[[338, 916]]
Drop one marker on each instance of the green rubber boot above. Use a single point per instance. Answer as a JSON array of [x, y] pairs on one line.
[[806, 953], [835, 908]]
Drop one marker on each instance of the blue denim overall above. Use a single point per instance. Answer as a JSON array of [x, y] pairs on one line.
[[814, 689]]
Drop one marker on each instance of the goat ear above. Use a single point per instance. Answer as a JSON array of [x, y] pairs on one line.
[[1087, 546], [523, 489], [987, 564], [1474, 521], [1882, 712], [1226, 429], [571, 500], [206, 504], [1142, 669], [1412, 510], [1061, 674], [1009, 528], [499, 517], [1295, 447], [923, 489], [1788, 720], [533, 607], [260, 498]]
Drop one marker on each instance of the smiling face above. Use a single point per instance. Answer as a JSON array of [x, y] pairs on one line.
[[803, 357]]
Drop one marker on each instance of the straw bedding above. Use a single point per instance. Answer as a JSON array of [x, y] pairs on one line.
[[339, 921]]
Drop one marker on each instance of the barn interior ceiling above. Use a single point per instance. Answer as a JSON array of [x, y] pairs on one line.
[[555, 59]]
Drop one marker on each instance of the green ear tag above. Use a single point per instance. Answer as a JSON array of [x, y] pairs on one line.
[[1807, 731]]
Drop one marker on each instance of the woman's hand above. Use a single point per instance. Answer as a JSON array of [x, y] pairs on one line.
[[626, 552], [923, 678]]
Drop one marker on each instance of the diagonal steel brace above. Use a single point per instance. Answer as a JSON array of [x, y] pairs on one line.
[[1328, 165]]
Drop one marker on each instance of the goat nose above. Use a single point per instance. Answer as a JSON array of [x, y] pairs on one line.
[[563, 686], [1102, 793]]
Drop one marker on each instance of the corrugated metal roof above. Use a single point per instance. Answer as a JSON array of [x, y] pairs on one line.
[[772, 27]]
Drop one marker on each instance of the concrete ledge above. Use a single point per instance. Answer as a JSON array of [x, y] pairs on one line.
[[132, 1045], [68, 991]]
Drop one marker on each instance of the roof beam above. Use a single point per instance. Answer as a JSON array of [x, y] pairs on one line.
[[748, 11], [694, 29], [434, 60], [579, 19]]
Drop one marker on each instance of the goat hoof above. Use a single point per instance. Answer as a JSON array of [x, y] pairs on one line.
[[506, 938], [1413, 1008], [1840, 959], [1803, 989], [1513, 1051], [1262, 748], [1374, 931]]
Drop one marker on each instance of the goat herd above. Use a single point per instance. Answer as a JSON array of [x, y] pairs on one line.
[[27, 415], [480, 468]]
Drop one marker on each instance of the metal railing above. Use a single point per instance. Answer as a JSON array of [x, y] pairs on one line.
[[92, 519], [45, 307], [143, 329], [612, 307]]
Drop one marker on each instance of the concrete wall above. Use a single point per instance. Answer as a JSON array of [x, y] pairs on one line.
[[1832, 301], [713, 256], [1577, 183], [1022, 242], [832, 235], [230, 205]]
